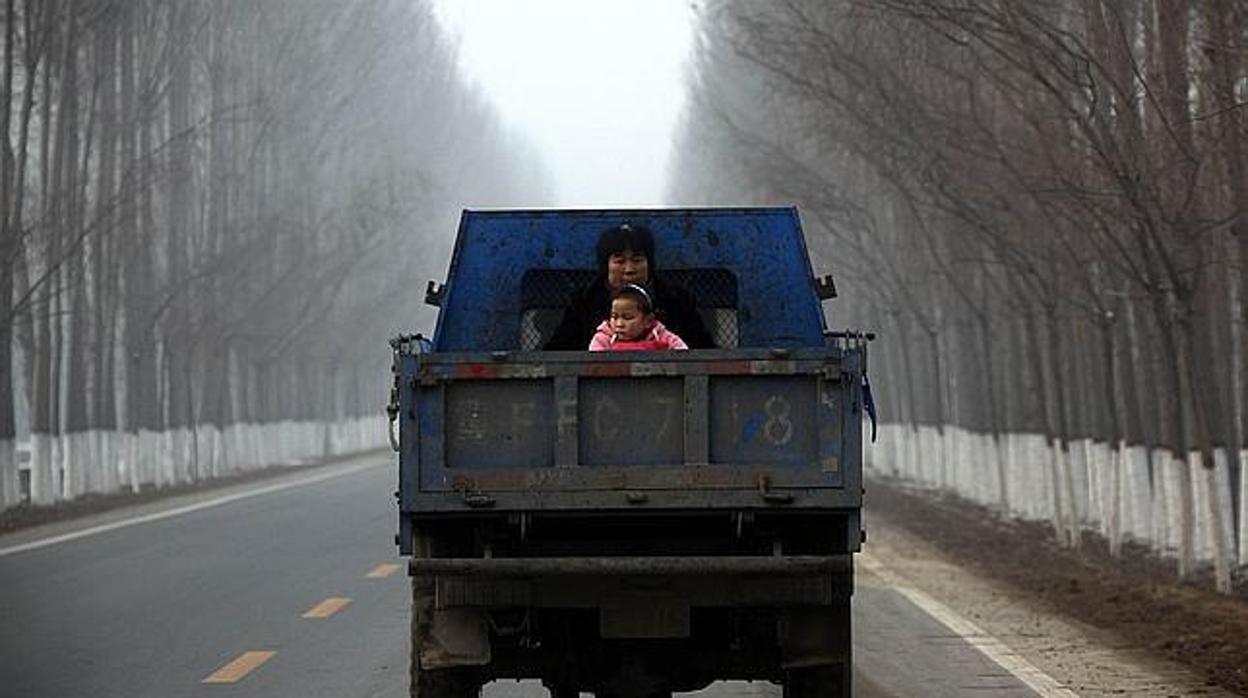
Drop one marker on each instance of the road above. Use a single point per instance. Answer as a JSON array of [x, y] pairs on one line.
[[296, 591]]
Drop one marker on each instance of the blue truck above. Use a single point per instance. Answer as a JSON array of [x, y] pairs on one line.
[[630, 523]]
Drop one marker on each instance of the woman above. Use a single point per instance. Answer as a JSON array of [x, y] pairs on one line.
[[626, 256]]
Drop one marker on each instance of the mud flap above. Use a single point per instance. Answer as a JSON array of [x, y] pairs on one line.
[[448, 637], [815, 636]]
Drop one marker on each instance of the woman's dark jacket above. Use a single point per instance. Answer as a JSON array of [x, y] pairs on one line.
[[674, 305]]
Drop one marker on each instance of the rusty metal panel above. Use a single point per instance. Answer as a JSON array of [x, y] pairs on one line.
[[696, 421], [577, 431], [832, 401], [431, 422], [566, 452], [631, 421], [763, 419], [499, 424]]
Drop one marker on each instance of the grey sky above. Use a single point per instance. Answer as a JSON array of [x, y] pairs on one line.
[[596, 85]]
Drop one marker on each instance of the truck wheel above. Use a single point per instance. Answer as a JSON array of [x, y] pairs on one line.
[[823, 681], [437, 683], [443, 683]]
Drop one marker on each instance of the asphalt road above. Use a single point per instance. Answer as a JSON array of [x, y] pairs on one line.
[[212, 602]]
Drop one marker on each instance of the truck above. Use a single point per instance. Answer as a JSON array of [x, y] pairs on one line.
[[630, 524]]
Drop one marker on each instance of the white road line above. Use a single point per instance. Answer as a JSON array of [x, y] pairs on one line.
[[170, 513], [991, 647]]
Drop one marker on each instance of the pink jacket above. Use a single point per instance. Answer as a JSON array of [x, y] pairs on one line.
[[660, 338]]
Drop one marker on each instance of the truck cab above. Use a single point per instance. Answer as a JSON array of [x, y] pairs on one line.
[[630, 523]]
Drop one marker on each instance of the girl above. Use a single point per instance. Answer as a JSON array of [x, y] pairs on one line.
[[632, 325], [625, 255]]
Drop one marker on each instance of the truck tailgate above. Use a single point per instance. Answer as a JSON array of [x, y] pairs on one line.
[[556, 430]]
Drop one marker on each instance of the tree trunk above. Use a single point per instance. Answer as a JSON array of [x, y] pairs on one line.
[[910, 423], [77, 318], [178, 323], [1042, 385], [938, 402], [1225, 21], [143, 396], [44, 418], [1060, 372], [1177, 419], [104, 410], [8, 250], [1117, 438], [995, 415]]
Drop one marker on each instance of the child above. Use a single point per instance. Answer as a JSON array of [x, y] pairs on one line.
[[632, 325]]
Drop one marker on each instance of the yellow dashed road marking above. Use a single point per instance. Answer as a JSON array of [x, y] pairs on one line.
[[246, 663], [383, 570], [327, 608]]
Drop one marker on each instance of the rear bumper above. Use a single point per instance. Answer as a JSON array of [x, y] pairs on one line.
[[632, 566], [638, 583]]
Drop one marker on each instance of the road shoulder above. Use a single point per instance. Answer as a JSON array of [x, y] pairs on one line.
[[1040, 601]]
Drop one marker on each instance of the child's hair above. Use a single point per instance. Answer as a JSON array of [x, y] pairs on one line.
[[637, 294]]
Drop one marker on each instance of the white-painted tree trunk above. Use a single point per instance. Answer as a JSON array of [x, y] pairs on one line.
[[1117, 470], [1214, 526], [1073, 530], [10, 494], [41, 482], [1243, 509], [1163, 518], [1185, 501], [94, 462], [1116, 495]]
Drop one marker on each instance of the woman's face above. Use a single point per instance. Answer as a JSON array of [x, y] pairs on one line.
[[627, 267]]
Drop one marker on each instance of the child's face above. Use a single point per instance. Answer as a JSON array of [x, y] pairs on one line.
[[627, 320]]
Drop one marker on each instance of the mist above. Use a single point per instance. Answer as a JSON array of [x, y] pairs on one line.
[[214, 216], [1040, 209]]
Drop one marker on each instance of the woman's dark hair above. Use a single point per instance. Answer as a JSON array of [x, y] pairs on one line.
[[625, 237], [638, 295]]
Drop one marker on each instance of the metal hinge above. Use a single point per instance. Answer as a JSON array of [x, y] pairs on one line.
[[825, 287], [764, 491], [435, 293]]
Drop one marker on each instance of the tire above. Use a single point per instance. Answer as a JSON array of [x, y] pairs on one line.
[[443, 683], [823, 681], [438, 683]]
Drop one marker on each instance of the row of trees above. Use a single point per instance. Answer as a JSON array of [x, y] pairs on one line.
[[1041, 204], [217, 211]]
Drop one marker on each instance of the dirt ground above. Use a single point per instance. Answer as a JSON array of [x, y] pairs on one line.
[[1137, 603]]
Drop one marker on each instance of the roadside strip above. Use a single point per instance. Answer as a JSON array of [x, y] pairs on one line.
[[178, 511], [976, 637]]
